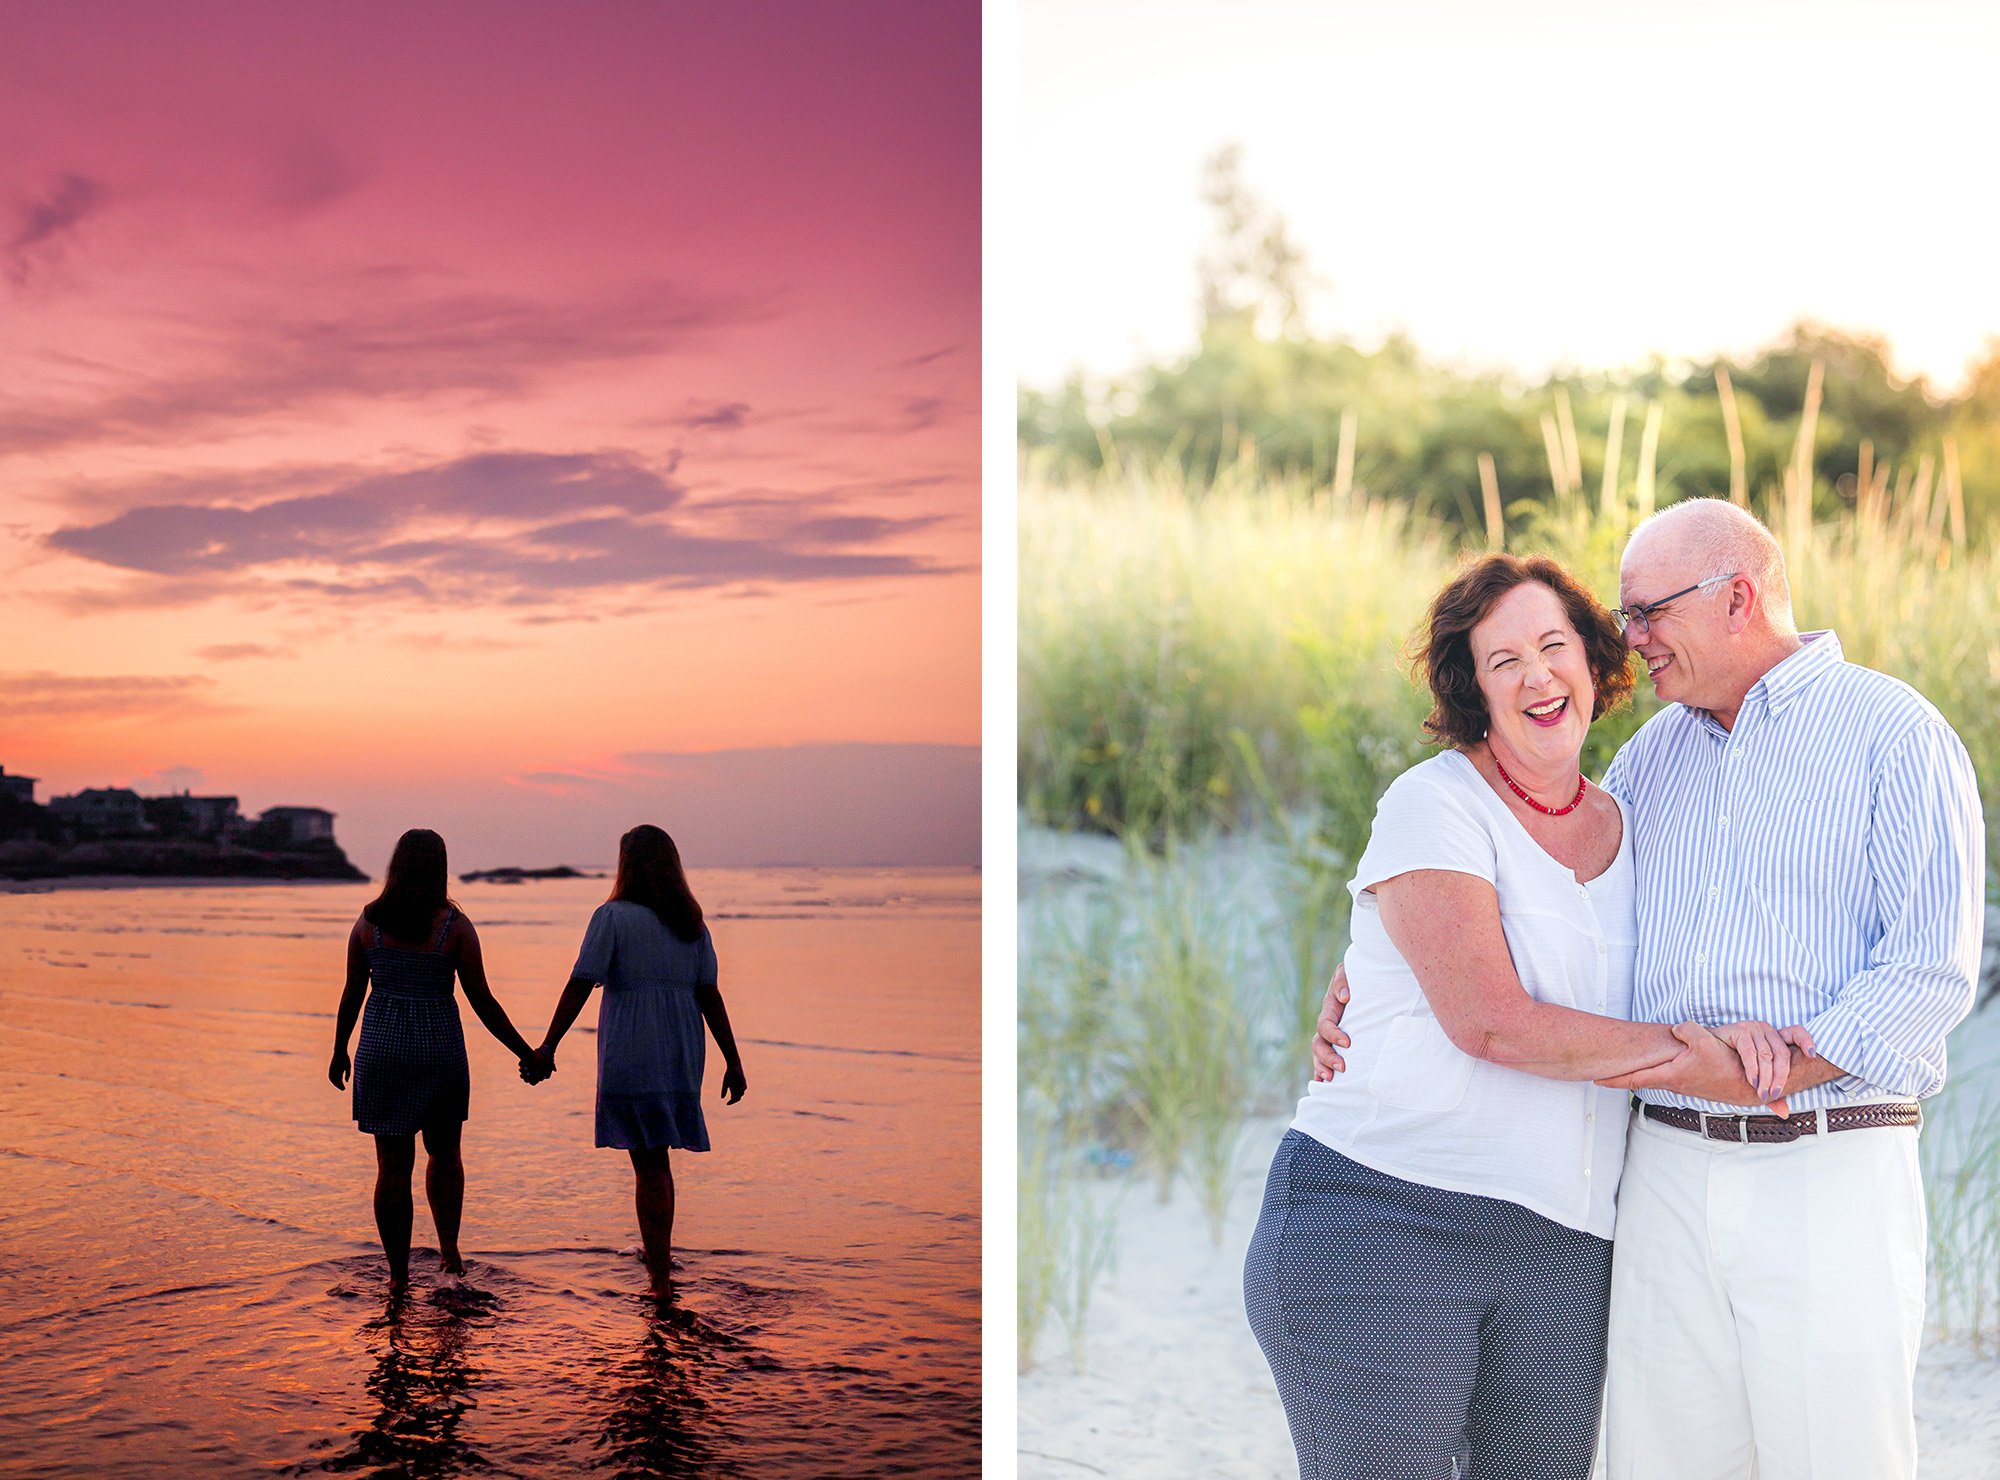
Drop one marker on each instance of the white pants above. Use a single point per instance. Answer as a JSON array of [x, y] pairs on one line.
[[1767, 1303]]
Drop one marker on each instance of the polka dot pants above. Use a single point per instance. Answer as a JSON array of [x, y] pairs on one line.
[[1419, 1334]]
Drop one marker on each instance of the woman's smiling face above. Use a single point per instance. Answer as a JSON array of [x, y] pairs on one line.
[[1534, 675]]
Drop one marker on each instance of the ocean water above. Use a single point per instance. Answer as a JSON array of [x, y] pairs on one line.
[[190, 1282]]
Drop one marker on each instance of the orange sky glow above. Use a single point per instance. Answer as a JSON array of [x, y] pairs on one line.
[[519, 420]]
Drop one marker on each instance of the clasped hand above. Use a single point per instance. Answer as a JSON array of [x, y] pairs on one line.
[[1744, 1063], [537, 1064]]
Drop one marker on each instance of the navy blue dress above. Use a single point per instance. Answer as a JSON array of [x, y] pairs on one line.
[[409, 1068], [650, 1047]]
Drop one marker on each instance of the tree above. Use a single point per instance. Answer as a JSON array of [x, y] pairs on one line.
[[1257, 380], [1252, 275]]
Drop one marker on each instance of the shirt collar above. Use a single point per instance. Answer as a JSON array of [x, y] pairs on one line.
[[1819, 652], [1784, 683]]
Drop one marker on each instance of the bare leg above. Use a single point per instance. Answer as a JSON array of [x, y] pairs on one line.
[[444, 1187], [394, 1156], [653, 1191]]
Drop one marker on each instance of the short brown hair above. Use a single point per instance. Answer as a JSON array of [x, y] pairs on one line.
[[1443, 655]]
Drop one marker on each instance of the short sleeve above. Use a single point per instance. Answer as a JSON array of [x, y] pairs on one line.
[[600, 947], [1425, 821], [705, 971]]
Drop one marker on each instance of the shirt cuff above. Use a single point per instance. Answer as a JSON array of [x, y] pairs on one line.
[[1874, 1067]]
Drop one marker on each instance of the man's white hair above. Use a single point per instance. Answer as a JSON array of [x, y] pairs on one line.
[[1722, 539]]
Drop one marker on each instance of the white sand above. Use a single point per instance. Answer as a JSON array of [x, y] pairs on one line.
[[1175, 1384]]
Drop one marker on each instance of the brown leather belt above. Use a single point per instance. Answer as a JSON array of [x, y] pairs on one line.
[[1756, 1128]]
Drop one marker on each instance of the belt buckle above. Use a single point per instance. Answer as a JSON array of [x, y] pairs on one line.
[[1772, 1130], [1712, 1127]]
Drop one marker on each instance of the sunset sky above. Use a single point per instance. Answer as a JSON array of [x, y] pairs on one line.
[[517, 419]]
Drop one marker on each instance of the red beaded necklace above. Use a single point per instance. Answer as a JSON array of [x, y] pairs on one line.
[[1514, 786]]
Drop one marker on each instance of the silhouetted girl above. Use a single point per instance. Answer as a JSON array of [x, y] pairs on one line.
[[410, 1072], [649, 948]]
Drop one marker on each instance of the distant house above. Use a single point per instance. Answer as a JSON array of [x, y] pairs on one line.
[[20, 788], [193, 817], [298, 824], [99, 810], [213, 816]]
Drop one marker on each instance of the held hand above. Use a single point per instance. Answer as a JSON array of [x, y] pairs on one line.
[[338, 1069], [1707, 1068], [1766, 1053], [536, 1065], [1327, 1061], [733, 1084]]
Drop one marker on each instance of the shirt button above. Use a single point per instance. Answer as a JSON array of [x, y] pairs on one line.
[[1591, 1116], [1701, 958], [1725, 820], [1713, 891], [1586, 1171]]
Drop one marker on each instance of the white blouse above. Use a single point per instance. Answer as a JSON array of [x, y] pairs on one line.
[[1414, 1105]]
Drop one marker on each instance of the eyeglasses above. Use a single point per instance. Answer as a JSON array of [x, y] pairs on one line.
[[1641, 616]]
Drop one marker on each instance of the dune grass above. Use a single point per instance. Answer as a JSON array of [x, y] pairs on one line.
[[1961, 1160], [1157, 620], [1146, 1020], [1190, 654], [1065, 1244], [1063, 1043]]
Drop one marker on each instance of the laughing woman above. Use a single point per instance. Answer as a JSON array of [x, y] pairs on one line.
[[410, 1072]]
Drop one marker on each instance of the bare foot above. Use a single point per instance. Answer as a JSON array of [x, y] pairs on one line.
[[660, 1280], [452, 1262]]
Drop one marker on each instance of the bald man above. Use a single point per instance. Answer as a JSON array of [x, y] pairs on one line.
[[1810, 851]]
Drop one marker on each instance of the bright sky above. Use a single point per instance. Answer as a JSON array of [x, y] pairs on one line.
[[518, 419], [1528, 184]]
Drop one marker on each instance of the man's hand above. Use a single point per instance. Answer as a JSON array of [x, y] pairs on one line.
[[1766, 1053], [1327, 1061], [1707, 1068]]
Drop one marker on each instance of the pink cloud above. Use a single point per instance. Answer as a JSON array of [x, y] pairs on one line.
[[43, 225]]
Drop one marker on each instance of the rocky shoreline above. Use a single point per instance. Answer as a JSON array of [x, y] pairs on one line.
[[26, 861], [515, 875]]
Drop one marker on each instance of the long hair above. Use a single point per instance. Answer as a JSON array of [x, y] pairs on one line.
[[413, 890], [650, 873]]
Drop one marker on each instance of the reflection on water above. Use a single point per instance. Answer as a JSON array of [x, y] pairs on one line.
[[190, 1283], [422, 1385], [661, 1421], [660, 1418]]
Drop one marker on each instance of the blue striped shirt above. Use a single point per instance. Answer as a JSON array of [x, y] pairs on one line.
[[1821, 863]]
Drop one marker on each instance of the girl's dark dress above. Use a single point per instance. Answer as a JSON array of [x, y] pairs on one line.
[[409, 1068]]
